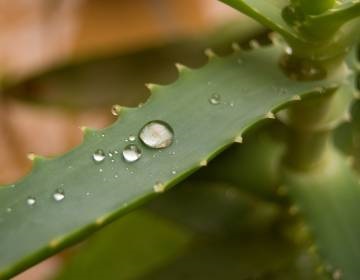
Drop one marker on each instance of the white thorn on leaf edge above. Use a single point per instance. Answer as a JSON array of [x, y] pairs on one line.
[[209, 53], [270, 115], [238, 139], [180, 67]]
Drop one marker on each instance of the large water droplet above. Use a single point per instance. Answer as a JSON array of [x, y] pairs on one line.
[[31, 201], [215, 99], [99, 155], [132, 153], [59, 195], [157, 134]]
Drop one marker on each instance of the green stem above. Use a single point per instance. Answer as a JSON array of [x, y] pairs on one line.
[[310, 124], [313, 7]]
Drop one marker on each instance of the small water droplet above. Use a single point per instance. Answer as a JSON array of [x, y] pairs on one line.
[[101, 170], [116, 176], [88, 193], [59, 195], [103, 135], [8, 209], [157, 134], [132, 138], [110, 154], [99, 155], [215, 99], [115, 110], [131, 153], [31, 201], [173, 172], [232, 103]]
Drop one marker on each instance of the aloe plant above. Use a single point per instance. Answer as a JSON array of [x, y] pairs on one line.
[[296, 91]]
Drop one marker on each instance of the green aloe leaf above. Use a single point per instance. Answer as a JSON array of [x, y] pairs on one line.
[[208, 110], [328, 197], [129, 248], [269, 13], [227, 225], [338, 15]]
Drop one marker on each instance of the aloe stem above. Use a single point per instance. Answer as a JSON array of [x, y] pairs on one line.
[[310, 124]]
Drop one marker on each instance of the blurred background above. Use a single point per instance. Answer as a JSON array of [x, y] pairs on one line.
[[78, 57], [63, 63]]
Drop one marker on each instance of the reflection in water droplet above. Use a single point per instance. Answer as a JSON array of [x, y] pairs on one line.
[[215, 99], [115, 110], [59, 195], [131, 153], [157, 134], [31, 201], [99, 155]]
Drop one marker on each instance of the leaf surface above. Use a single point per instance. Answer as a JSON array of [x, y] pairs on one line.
[[250, 86]]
